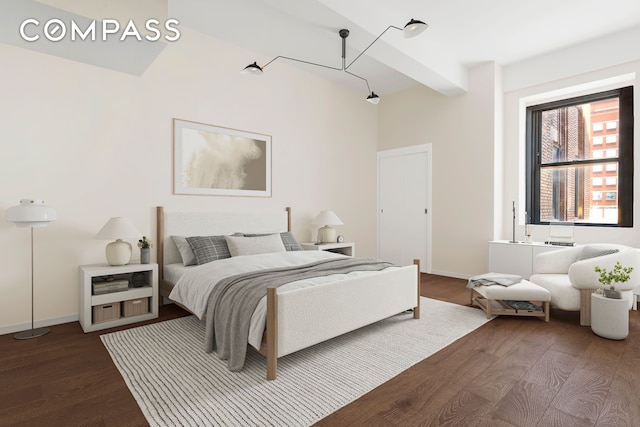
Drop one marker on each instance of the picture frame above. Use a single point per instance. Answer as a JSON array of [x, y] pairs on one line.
[[218, 161]]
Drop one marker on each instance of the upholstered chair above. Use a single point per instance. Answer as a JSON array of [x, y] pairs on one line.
[[569, 275]]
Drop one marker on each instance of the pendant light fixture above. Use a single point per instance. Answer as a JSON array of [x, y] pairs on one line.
[[411, 29]]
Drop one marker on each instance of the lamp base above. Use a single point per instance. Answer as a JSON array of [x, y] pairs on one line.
[[118, 252], [31, 333], [327, 234]]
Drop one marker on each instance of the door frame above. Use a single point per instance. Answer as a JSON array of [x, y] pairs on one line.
[[414, 149]]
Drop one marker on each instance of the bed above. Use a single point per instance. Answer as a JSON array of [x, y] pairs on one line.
[[343, 302]]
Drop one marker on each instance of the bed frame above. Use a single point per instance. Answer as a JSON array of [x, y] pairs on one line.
[[292, 317]]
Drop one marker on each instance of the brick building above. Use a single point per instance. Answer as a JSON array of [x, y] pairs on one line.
[[580, 193]]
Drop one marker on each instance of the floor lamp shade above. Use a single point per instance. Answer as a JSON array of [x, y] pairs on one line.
[[118, 252], [327, 233], [31, 213]]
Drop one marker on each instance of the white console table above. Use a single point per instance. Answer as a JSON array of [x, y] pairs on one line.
[[516, 258]]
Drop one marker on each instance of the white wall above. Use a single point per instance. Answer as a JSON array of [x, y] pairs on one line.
[[514, 158], [478, 158], [95, 143], [462, 131]]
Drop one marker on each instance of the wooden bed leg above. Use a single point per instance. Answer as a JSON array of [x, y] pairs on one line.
[[416, 309], [272, 331]]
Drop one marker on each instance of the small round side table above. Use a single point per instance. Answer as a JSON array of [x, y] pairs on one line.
[[609, 317]]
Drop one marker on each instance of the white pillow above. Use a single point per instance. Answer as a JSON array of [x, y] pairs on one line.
[[188, 257], [254, 245]]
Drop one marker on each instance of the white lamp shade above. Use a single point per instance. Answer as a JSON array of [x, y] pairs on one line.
[[327, 218], [118, 252], [31, 213], [118, 228]]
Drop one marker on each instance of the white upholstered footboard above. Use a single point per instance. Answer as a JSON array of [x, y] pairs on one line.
[[309, 316]]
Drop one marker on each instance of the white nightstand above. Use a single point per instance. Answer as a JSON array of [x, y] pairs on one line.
[[112, 309], [345, 248]]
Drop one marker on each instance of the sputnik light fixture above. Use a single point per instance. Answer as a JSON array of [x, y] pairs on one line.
[[411, 29]]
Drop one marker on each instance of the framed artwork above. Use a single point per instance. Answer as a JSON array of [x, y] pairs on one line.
[[218, 161]]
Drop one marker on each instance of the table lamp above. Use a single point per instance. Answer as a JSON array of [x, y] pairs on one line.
[[327, 233], [118, 228], [31, 213]]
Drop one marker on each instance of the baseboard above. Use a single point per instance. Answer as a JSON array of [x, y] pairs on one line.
[[451, 274], [38, 324]]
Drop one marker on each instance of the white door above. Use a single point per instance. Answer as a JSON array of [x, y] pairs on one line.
[[404, 206], [390, 212]]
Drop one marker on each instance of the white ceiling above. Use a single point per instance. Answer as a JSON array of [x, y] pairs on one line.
[[461, 34]]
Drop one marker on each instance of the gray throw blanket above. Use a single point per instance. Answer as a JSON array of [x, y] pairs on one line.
[[493, 279], [234, 299]]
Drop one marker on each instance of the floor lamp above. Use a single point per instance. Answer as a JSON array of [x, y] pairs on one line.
[[31, 213]]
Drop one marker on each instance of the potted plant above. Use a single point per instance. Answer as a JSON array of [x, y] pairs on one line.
[[618, 274], [145, 251]]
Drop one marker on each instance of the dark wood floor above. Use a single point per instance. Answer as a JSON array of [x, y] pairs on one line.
[[510, 372]]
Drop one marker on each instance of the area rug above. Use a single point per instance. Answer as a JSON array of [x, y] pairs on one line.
[[176, 383]]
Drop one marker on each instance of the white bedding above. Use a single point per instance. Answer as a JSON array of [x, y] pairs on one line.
[[173, 272], [194, 286]]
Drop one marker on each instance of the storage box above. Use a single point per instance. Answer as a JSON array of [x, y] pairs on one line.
[[106, 312], [136, 307]]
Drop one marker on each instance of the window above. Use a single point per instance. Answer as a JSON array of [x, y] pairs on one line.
[[563, 164]]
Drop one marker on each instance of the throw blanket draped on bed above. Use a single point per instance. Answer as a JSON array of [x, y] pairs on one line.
[[234, 299]]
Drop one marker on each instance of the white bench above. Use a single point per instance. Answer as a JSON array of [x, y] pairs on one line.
[[492, 299]]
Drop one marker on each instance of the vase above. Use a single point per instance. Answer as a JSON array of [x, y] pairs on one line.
[[612, 293], [145, 255]]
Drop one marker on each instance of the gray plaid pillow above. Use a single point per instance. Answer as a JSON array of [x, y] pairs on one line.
[[209, 248], [589, 252], [290, 243]]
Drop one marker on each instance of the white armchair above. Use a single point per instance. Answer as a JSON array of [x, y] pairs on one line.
[[569, 276]]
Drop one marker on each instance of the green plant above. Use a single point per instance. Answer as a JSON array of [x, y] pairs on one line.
[[144, 243], [618, 274]]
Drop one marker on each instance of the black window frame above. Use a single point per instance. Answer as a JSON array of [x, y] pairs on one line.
[[625, 154]]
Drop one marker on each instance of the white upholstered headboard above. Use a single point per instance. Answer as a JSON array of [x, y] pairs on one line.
[[213, 223]]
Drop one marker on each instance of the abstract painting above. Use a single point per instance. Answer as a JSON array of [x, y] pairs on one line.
[[213, 160]]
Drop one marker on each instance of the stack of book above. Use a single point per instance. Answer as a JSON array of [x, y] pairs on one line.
[[108, 286], [523, 305]]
